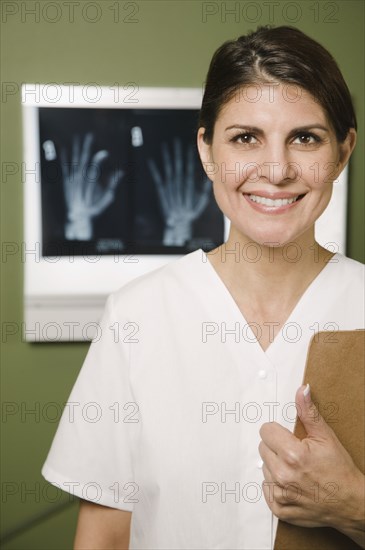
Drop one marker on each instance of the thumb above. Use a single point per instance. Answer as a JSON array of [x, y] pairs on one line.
[[312, 420]]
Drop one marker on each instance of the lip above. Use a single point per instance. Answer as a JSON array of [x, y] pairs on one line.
[[273, 196], [273, 209]]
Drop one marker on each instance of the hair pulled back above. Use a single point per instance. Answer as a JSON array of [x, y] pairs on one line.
[[277, 54]]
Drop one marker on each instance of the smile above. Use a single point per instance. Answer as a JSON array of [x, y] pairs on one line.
[[273, 202], [267, 205]]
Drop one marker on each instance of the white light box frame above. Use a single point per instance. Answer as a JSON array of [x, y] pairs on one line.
[[65, 292]]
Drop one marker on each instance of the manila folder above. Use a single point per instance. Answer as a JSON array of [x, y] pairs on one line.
[[336, 374]]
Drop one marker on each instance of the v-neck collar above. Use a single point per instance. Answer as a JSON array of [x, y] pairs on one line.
[[226, 303]]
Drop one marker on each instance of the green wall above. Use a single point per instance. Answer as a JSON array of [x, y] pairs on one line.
[[151, 43]]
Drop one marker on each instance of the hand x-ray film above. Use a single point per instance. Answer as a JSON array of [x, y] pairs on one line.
[[120, 181]]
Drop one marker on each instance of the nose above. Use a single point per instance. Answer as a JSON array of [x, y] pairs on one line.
[[276, 166]]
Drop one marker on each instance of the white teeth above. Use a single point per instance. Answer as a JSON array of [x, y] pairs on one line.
[[272, 202]]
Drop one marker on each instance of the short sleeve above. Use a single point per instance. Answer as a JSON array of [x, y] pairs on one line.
[[91, 454]]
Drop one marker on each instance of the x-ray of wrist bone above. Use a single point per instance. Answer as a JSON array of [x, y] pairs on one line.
[[180, 200], [85, 198]]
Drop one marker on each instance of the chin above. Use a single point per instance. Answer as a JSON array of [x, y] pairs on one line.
[[274, 239], [282, 239]]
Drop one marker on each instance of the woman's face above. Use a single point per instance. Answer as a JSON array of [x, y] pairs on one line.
[[272, 161]]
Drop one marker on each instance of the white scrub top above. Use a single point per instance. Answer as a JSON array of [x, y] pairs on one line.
[[165, 415]]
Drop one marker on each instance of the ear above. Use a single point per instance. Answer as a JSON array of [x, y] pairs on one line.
[[205, 153], [346, 148]]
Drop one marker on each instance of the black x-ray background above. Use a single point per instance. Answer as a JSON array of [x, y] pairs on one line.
[[134, 222]]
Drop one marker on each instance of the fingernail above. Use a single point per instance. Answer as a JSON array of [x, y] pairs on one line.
[[307, 393]]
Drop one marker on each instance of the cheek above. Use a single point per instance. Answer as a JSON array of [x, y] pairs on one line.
[[229, 172], [323, 174], [226, 162], [321, 169], [226, 185], [228, 199]]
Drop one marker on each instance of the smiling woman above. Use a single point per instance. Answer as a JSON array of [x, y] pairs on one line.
[[264, 164], [185, 471], [258, 88]]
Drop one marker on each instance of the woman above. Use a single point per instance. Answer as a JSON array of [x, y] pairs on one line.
[[180, 438]]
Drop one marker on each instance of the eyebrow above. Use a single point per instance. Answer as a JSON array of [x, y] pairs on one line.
[[258, 131]]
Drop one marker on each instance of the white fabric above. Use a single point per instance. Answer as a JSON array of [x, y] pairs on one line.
[[187, 467]]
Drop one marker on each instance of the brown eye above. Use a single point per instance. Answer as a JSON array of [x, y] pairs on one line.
[[246, 138], [306, 139]]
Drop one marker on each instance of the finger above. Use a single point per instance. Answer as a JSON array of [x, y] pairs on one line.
[[75, 153], [169, 193], [276, 437], [106, 199], [167, 163], [272, 492], [313, 422], [189, 195], [159, 186], [265, 452], [97, 159], [267, 473], [92, 175], [178, 180], [206, 186], [273, 467], [279, 498], [287, 494], [86, 150], [67, 187], [203, 200], [115, 179], [64, 163]]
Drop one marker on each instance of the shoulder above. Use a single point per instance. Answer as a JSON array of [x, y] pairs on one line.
[[349, 270], [345, 280], [345, 288], [173, 277]]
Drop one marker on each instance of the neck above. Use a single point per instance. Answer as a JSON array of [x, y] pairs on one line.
[[269, 276]]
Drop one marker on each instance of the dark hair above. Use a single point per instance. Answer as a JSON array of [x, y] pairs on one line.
[[282, 54]]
